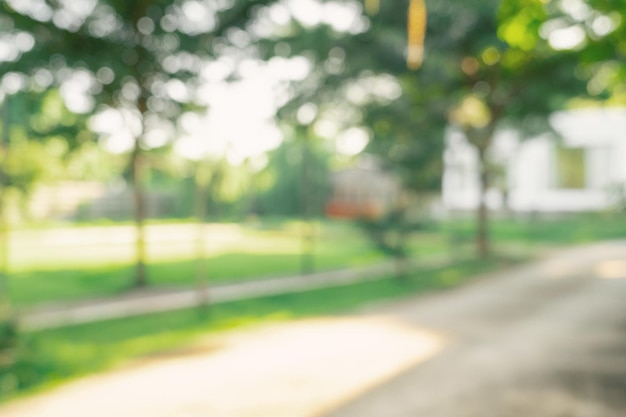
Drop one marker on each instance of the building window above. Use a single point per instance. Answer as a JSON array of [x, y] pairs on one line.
[[570, 168]]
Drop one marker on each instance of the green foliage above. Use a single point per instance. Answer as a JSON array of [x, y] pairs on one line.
[[90, 162], [8, 335], [40, 135], [603, 52], [30, 163], [134, 53], [284, 197], [488, 66], [8, 342], [141, 60], [390, 233]]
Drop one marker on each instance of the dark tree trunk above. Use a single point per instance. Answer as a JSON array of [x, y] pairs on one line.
[[8, 333], [5, 305], [307, 193], [141, 279], [139, 10], [482, 231], [202, 284], [401, 259]]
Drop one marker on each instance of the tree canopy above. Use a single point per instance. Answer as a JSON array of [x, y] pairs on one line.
[[144, 60], [487, 65]]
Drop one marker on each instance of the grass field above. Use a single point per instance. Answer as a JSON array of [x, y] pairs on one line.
[[56, 265], [569, 230], [52, 356], [65, 264]]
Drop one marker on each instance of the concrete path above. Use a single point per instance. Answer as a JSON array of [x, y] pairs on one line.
[[547, 339], [292, 370]]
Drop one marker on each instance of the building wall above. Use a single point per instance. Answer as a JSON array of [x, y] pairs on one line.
[[531, 166]]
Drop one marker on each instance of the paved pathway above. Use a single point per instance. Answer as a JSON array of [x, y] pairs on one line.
[[292, 370], [545, 340]]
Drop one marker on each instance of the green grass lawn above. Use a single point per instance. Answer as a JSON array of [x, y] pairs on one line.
[[48, 357], [50, 265], [570, 230], [53, 266], [66, 284]]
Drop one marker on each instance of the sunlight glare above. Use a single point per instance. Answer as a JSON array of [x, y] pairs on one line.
[[614, 269], [352, 141], [567, 38]]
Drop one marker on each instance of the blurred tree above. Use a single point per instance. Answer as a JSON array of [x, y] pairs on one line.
[[7, 330], [37, 134], [488, 65], [46, 140], [202, 181], [512, 75], [295, 183], [141, 60], [600, 28], [280, 189]]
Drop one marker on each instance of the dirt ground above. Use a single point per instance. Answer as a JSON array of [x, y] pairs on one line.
[[546, 339]]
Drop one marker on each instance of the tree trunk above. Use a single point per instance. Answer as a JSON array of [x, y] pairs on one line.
[[482, 231], [401, 253], [141, 279], [202, 285], [307, 263], [5, 304], [401, 259], [8, 333], [139, 9]]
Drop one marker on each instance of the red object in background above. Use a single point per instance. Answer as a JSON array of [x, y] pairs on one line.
[[352, 211]]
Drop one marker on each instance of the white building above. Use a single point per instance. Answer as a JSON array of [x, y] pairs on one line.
[[582, 168]]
